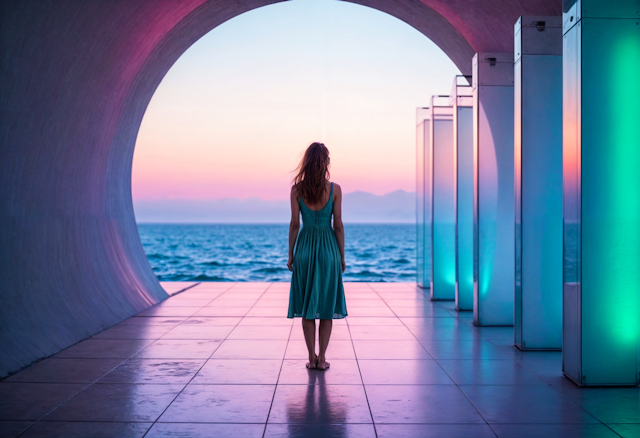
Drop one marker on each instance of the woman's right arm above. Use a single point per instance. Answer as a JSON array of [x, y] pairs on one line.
[[294, 225], [338, 227]]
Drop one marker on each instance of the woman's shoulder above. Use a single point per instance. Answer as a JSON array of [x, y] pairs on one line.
[[336, 187], [294, 191]]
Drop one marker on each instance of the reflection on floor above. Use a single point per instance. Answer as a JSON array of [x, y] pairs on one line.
[[220, 359]]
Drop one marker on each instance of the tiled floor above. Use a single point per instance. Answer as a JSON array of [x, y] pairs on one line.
[[220, 359]]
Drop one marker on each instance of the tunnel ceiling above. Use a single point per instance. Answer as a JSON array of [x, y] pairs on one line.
[[75, 80]]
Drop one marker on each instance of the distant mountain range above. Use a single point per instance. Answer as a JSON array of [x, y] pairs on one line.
[[358, 207]]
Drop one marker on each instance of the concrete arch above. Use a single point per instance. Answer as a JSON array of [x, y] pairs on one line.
[[75, 80]]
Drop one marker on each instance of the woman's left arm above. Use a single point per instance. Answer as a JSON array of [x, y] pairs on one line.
[[294, 225]]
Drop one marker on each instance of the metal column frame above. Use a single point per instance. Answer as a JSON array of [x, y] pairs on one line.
[[538, 183], [601, 187], [493, 209], [423, 198], [442, 200], [461, 99]]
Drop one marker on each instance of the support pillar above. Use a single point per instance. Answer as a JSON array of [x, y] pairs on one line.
[[538, 183], [601, 114], [423, 198], [443, 210], [462, 102], [493, 189]]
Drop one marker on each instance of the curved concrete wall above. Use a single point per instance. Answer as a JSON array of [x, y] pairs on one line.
[[75, 80]]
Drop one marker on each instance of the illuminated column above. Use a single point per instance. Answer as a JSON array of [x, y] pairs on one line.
[[538, 183], [423, 198], [493, 203], [443, 197], [601, 110], [462, 102]]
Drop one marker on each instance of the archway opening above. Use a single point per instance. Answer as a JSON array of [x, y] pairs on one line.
[[228, 124]]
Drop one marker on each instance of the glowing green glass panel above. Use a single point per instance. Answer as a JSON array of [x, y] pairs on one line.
[[610, 214]]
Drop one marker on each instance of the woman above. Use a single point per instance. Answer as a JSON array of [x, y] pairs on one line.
[[318, 260]]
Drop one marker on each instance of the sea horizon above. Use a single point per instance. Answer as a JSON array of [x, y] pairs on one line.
[[242, 252]]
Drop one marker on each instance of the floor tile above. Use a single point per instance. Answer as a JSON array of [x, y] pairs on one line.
[[222, 311], [372, 332], [256, 332], [372, 320], [133, 332], [204, 430], [184, 301], [221, 404], [341, 372], [434, 431], [315, 431], [158, 371], [319, 404], [609, 405], [262, 321], [30, 401], [369, 311], [420, 312], [179, 349], [152, 320], [420, 404], [443, 332], [403, 372], [464, 350], [170, 311], [195, 331], [54, 370], [239, 371], [251, 349], [429, 321], [525, 404], [87, 429], [232, 302], [124, 403], [553, 431], [268, 311], [337, 349], [213, 320], [11, 429], [105, 349], [390, 350], [488, 372]]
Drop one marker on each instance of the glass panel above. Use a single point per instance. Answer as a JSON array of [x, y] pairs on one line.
[[494, 158], [541, 201], [610, 201], [464, 210], [571, 206], [443, 262]]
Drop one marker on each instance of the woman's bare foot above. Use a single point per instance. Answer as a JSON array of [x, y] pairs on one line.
[[313, 363], [322, 364]]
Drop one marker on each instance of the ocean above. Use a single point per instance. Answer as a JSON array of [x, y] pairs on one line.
[[242, 252]]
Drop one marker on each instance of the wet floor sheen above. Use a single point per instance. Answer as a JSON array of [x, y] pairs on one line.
[[221, 359]]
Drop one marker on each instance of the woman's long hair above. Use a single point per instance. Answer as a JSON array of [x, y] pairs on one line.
[[313, 172]]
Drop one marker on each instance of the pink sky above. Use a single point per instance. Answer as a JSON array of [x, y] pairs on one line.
[[235, 113]]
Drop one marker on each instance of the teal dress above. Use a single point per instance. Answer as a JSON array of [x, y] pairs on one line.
[[316, 285]]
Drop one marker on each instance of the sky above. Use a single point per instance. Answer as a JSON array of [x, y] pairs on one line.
[[233, 116]]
